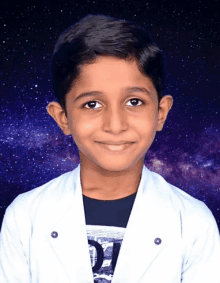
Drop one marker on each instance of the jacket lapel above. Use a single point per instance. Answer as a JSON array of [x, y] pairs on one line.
[[147, 222], [71, 245]]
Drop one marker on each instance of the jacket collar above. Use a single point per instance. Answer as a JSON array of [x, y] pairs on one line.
[[150, 219]]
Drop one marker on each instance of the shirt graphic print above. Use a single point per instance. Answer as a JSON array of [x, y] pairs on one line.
[[104, 246]]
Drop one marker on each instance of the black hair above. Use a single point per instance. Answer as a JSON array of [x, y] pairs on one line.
[[97, 35]]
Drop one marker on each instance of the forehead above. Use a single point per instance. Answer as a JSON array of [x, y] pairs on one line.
[[108, 70]]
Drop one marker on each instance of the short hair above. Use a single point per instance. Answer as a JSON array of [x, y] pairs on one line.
[[97, 35]]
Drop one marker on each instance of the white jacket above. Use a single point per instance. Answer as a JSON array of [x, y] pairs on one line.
[[189, 251]]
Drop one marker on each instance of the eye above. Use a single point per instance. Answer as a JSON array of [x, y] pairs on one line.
[[91, 103], [136, 99]]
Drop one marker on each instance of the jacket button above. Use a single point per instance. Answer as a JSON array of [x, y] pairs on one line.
[[157, 241], [54, 234]]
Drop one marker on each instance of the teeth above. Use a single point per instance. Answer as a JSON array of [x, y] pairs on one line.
[[115, 147]]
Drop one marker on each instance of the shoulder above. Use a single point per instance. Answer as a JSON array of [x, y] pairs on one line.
[[38, 205], [191, 210], [29, 201]]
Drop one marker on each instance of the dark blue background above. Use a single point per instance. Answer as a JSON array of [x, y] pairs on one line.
[[34, 150]]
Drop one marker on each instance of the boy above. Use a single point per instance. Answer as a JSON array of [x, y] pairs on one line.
[[110, 219]]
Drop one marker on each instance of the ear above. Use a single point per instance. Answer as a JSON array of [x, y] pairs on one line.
[[164, 107], [55, 110]]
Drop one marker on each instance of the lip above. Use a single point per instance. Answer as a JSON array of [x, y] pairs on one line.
[[114, 149], [115, 143]]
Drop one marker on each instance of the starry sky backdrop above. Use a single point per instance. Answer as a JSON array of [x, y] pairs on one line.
[[33, 150]]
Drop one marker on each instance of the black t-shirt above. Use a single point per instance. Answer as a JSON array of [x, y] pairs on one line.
[[106, 221]]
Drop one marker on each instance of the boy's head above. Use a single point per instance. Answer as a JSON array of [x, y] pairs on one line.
[[118, 60], [97, 35]]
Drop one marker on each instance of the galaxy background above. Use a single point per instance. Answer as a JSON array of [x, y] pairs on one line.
[[33, 150]]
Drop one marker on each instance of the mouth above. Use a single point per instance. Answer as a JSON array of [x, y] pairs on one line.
[[113, 148]]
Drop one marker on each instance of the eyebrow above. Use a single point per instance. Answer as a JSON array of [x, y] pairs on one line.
[[127, 89]]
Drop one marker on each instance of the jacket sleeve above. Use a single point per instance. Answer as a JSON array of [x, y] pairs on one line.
[[14, 266], [202, 259]]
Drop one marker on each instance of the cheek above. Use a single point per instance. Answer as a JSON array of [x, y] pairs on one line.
[[87, 126], [82, 128], [145, 125]]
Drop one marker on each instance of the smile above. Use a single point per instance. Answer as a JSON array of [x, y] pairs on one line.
[[115, 148]]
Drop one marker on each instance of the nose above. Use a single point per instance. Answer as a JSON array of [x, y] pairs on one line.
[[115, 120]]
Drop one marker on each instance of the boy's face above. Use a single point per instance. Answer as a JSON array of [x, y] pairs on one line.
[[116, 113]]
